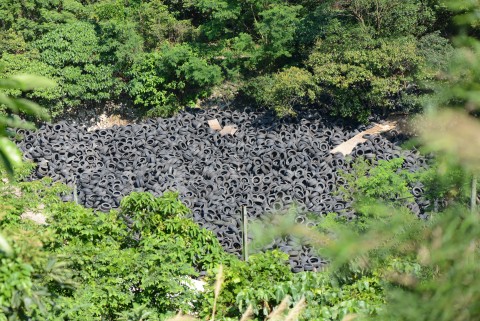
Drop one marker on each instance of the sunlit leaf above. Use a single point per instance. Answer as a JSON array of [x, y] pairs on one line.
[[454, 133], [10, 155], [29, 82], [4, 246]]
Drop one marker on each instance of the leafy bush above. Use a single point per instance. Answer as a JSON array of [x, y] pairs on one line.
[[118, 270], [448, 244], [24, 294], [32, 18], [358, 74], [329, 299], [163, 81], [29, 271], [264, 282], [120, 45], [385, 181], [432, 259], [250, 283], [277, 28], [11, 42], [72, 56], [283, 91], [29, 63], [166, 54], [74, 52], [248, 37], [150, 211], [158, 24], [164, 217], [85, 265], [391, 18]]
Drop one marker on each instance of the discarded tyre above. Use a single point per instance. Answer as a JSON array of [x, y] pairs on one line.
[[268, 164]]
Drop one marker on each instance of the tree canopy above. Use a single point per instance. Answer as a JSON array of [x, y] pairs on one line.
[[376, 53]]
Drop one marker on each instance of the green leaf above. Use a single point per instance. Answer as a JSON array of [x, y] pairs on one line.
[[10, 155], [30, 82], [4, 246]]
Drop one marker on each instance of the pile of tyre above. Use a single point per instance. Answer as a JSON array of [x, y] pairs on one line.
[[268, 164]]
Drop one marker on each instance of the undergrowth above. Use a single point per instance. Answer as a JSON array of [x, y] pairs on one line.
[[137, 263]]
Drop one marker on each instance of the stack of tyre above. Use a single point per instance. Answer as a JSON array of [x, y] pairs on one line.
[[267, 165]]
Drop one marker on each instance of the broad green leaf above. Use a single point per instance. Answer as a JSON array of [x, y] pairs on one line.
[[4, 246], [30, 82], [10, 155]]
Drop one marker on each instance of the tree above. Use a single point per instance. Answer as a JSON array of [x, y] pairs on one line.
[[276, 29], [164, 81], [435, 259], [158, 24], [391, 18], [73, 50], [358, 74], [27, 271], [284, 91]]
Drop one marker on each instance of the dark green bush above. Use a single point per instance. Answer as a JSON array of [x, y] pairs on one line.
[[359, 74], [385, 180], [163, 55], [283, 91], [118, 270], [71, 55], [89, 266], [74, 52], [164, 81]]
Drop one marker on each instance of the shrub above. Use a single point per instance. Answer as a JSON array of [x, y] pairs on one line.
[[283, 91], [277, 28], [85, 266], [385, 180], [265, 281], [11, 42], [248, 283], [330, 299], [74, 52], [391, 18], [30, 63], [10, 111], [118, 270], [120, 45], [157, 25], [358, 74], [28, 270], [447, 244], [162, 81]]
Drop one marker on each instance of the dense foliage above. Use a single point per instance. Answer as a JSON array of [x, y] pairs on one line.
[[107, 266], [76, 264], [163, 81], [60, 261], [350, 57]]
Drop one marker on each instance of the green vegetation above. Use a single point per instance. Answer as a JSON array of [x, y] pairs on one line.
[[386, 180], [352, 58], [264, 282], [173, 77], [86, 266], [91, 265], [285, 90], [10, 111]]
